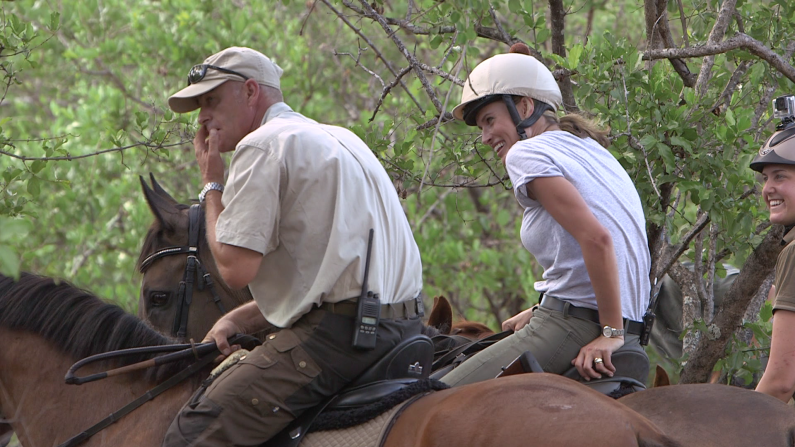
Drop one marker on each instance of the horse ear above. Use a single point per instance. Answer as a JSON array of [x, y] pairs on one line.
[[441, 315], [160, 191], [165, 210], [661, 377]]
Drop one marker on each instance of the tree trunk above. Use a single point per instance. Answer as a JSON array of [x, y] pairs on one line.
[[711, 346]]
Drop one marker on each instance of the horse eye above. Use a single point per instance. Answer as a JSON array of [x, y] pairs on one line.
[[158, 299]]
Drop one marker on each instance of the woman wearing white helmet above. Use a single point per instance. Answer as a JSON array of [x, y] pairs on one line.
[[776, 163], [583, 221]]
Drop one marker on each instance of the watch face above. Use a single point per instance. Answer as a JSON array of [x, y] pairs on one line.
[[606, 331]]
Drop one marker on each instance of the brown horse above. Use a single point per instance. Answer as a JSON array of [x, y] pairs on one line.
[[58, 324], [708, 414], [161, 293]]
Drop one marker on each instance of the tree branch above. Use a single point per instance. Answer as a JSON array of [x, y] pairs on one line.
[[374, 48], [410, 57], [145, 144], [716, 35], [738, 41]]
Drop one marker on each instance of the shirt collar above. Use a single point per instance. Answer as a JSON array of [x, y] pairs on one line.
[[789, 235], [274, 111]]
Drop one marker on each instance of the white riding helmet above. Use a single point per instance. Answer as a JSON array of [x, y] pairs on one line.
[[514, 74]]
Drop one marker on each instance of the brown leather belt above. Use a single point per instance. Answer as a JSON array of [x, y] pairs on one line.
[[557, 304], [410, 309]]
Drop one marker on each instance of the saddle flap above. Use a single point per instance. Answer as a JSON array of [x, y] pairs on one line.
[[632, 364], [412, 358]]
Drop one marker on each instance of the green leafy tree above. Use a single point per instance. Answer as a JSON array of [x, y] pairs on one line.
[[685, 89]]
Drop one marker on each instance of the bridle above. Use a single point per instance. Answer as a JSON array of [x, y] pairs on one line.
[[194, 271]]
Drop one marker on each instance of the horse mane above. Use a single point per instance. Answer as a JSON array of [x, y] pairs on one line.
[[74, 320]]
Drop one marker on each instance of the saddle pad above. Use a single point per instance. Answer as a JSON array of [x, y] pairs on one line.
[[369, 434]]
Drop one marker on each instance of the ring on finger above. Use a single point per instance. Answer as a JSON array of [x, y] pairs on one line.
[[598, 360]]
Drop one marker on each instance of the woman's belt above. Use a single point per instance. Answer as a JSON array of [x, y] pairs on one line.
[[557, 304]]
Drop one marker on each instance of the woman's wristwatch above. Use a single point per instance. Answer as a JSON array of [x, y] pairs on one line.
[[212, 186], [611, 332]]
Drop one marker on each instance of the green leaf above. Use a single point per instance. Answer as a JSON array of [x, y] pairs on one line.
[[37, 166], [542, 35], [55, 21], [34, 186], [11, 229], [649, 141], [574, 56], [9, 261], [730, 117], [766, 312]]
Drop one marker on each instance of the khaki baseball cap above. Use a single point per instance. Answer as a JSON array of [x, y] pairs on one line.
[[236, 63]]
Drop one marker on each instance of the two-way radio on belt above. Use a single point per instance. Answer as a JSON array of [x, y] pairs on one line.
[[368, 309]]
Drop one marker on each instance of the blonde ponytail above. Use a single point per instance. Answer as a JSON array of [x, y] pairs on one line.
[[580, 126]]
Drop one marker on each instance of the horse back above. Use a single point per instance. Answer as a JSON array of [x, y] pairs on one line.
[[716, 415], [546, 409]]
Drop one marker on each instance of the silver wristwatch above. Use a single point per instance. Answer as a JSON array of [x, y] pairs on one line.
[[212, 186], [611, 332]]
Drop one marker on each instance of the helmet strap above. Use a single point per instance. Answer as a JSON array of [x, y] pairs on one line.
[[540, 108]]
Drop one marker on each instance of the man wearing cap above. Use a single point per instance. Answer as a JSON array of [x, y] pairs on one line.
[[292, 222]]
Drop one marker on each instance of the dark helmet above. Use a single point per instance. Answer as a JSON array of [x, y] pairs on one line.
[[778, 149]]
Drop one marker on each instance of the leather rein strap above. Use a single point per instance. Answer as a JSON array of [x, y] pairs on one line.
[[194, 271], [151, 394]]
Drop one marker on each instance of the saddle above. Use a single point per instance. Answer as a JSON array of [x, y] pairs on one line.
[[452, 350], [404, 366], [630, 367]]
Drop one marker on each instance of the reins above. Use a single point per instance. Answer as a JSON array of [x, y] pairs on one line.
[[151, 394], [185, 351], [205, 353]]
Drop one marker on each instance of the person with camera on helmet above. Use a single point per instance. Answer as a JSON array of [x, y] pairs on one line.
[[776, 162], [583, 221]]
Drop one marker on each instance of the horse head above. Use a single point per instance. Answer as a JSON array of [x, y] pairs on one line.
[[182, 293]]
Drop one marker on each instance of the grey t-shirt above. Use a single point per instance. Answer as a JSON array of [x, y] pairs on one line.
[[612, 198]]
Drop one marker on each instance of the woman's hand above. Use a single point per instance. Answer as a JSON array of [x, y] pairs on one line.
[[600, 348], [518, 321]]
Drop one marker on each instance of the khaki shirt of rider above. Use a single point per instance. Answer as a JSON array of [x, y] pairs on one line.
[[785, 275], [305, 195]]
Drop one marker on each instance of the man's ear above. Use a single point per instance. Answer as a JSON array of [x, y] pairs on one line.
[[253, 92]]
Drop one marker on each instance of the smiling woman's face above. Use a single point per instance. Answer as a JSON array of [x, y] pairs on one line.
[[779, 192], [497, 128]]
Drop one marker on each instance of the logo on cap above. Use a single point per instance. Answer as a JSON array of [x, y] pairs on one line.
[[764, 151]]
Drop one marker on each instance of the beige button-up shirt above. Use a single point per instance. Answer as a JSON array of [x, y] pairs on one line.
[[305, 195]]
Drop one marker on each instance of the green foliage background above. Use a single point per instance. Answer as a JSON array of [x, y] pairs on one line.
[[83, 115]]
